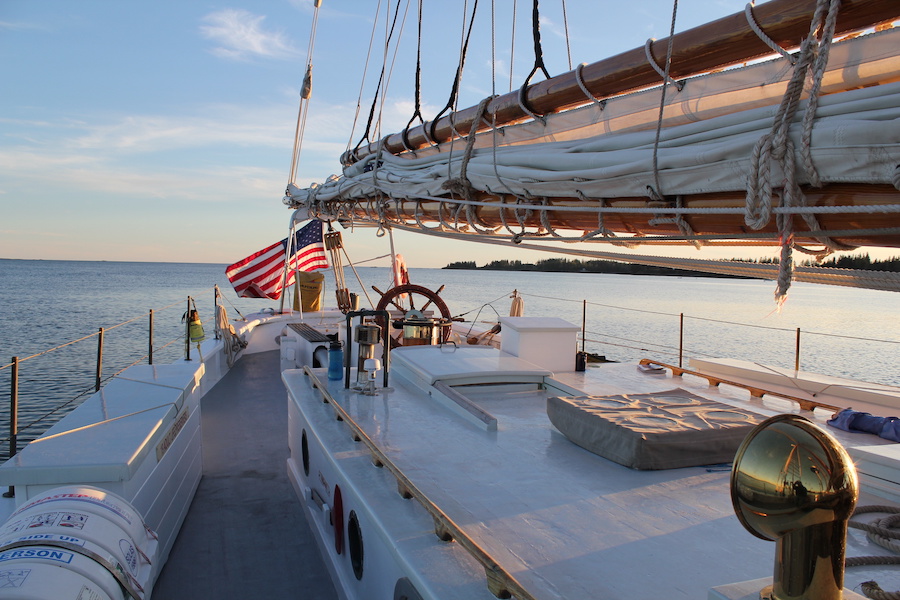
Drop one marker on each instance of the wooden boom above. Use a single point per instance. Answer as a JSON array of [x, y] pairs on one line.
[[727, 41], [863, 228]]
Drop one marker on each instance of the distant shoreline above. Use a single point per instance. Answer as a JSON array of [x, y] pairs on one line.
[[564, 265], [613, 268]]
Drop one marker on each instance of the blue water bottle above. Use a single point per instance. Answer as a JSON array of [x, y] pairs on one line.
[[336, 360]]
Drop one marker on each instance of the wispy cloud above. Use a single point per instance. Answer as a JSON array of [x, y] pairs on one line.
[[133, 154], [10, 26], [240, 35]]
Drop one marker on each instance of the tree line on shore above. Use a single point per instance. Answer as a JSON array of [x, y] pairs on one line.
[[566, 265]]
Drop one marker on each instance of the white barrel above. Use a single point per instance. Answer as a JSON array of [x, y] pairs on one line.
[[38, 576], [93, 535]]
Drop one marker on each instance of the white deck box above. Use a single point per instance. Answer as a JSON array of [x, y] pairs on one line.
[[548, 342]]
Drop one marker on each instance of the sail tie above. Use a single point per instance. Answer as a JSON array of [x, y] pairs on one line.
[[776, 149], [579, 79], [679, 221], [664, 73], [751, 21], [461, 185], [657, 192]]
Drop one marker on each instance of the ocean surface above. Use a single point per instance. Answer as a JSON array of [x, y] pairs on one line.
[[44, 304]]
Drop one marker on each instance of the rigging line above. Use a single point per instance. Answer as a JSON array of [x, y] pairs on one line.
[[105, 329], [662, 99], [459, 70], [493, 50], [387, 82], [362, 83], [665, 314], [417, 112], [462, 56], [358, 278], [566, 28], [365, 136], [536, 37], [512, 45], [538, 63], [305, 94]]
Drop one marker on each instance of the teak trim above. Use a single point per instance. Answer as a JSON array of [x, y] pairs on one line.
[[755, 391]]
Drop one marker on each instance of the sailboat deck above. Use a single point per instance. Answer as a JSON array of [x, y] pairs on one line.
[[244, 535], [564, 522]]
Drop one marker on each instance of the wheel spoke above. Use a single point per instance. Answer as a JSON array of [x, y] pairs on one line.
[[394, 294], [430, 300]]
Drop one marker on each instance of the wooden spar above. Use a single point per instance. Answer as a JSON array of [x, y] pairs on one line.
[[727, 41], [415, 211]]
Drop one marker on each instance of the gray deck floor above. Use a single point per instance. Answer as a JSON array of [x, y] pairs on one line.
[[245, 535]]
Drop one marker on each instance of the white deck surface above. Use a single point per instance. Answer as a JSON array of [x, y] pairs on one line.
[[567, 523]]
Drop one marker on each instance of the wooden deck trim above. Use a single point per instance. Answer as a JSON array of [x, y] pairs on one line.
[[500, 582], [755, 391]]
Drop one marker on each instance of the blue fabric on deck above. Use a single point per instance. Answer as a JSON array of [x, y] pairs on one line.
[[857, 421]]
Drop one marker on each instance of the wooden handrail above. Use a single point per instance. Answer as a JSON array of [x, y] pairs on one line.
[[499, 581], [755, 391]]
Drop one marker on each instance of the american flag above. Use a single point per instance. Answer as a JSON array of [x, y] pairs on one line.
[[260, 274]]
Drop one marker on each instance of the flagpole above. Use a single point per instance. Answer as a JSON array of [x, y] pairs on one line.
[[288, 253]]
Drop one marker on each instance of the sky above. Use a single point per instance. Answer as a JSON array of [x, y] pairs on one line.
[[162, 130]]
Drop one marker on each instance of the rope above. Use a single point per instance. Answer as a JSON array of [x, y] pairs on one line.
[[882, 532], [365, 136], [454, 91], [566, 29], [305, 94], [777, 149], [683, 226], [579, 79], [751, 21], [538, 63], [461, 184], [664, 73], [662, 98], [393, 63], [417, 112], [347, 153], [512, 45]]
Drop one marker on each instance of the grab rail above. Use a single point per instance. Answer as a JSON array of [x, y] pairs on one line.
[[499, 581]]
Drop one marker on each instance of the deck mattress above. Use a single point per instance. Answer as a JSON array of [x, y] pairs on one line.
[[664, 430]]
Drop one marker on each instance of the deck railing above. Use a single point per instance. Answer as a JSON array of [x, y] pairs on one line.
[[681, 350], [44, 420], [598, 339]]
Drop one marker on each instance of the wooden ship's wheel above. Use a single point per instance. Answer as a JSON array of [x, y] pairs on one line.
[[398, 297]]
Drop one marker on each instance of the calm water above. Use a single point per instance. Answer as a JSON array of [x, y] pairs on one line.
[[845, 332]]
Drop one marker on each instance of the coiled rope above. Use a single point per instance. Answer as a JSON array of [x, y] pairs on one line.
[[882, 532]]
